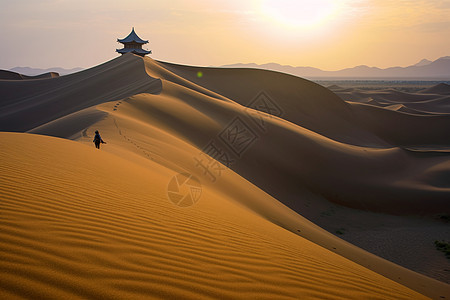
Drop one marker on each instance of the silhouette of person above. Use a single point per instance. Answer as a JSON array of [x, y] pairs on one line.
[[97, 140]]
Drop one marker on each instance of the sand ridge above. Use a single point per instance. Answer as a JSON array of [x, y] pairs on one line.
[[26, 104]]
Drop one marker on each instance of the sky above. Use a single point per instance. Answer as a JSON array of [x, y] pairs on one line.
[[326, 34]]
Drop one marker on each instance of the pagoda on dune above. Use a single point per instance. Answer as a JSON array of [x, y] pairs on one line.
[[132, 43]]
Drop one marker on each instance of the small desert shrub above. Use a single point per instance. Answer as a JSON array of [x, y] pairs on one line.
[[444, 247], [340, 231], [445, 218]]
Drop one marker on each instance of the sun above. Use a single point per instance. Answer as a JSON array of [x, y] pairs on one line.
[[299, 14]]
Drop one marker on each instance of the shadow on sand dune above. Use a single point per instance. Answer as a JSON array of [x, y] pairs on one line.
[[300, 143]]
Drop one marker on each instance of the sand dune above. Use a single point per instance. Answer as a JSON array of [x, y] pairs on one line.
[[311, 149], [30, 103], [325, 166], [421, 119], [433, 100], [440, 89], [401, 108], [299, 101], [9, 75], [81, 223]]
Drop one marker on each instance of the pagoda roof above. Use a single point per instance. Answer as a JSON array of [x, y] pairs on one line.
[[136, 51], [132, 37]]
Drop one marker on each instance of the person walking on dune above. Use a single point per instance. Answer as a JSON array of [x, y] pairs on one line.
[[97, 140]]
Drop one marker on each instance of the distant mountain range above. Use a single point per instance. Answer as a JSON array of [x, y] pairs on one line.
[[35, 71], [425, 69]]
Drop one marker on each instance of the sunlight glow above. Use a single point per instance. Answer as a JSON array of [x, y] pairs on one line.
[[299, 14]]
